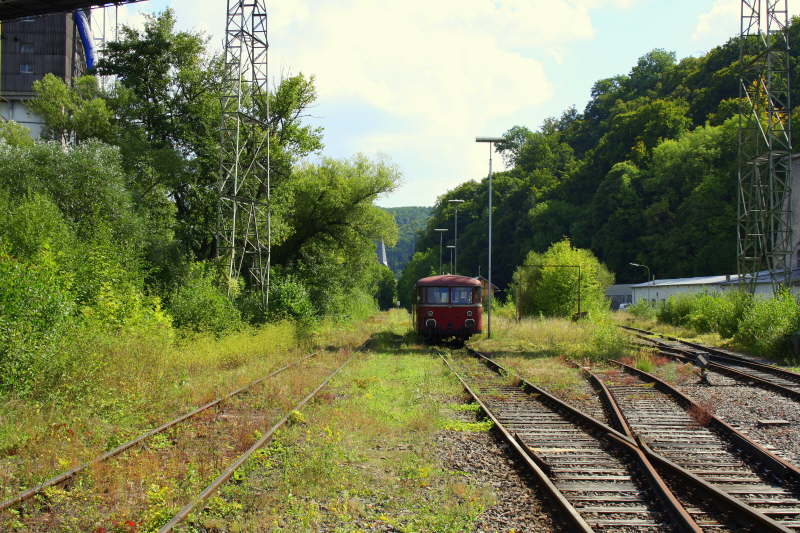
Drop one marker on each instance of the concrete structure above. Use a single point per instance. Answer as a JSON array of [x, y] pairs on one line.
[[30, 48]]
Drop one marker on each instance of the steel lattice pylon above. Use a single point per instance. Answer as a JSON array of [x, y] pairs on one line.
[[244, 187], [764, 238]]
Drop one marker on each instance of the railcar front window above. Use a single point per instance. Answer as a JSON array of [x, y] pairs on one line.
[[437, 295], [461, 295]]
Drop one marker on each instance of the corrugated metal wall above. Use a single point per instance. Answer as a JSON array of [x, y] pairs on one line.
[[32, 48]]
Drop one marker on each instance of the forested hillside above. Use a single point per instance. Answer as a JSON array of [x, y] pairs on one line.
[[410, 221], [646, 173], [108, 228]]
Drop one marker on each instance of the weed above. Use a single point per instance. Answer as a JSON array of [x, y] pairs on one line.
[[460, 425], [464, 407]]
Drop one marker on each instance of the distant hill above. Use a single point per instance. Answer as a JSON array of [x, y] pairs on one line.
[[409, 221]]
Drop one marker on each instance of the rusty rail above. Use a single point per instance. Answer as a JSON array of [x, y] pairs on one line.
[[228, 472], [69, 474]]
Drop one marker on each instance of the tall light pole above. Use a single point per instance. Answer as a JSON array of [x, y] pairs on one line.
[[455, 237], [491, 141], [452, 248], [648, 277], [441, 236]]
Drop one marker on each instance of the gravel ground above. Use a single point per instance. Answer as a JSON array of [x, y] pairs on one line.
[[487, 461], [742, 406]]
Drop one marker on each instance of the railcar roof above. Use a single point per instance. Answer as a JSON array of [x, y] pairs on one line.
[[448, 280]]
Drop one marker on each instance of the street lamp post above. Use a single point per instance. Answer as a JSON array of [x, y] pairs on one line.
[[441, 236], [452, 248], [455, 236], [648, 278], [491, 141]]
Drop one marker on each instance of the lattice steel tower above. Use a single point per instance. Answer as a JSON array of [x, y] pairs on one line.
[[765, 145], [245, 232]]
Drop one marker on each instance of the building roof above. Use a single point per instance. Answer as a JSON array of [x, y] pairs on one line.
[[448, 280], [763, 277], [12, 9], [730, 279], [699, 280]]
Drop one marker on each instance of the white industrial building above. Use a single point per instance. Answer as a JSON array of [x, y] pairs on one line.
[[659, 290]]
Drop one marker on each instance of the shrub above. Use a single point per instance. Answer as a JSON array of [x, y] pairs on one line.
[[200, 305], [765, 324], [643, 309], [36, 305], [547, 283], [289, 299]]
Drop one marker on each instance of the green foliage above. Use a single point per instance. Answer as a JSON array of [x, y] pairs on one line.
[[289, 299], [15, 134], [200, 305], [643, 309], [36, 307], [548, 283], [386, 293], [721, 313], [421, 265], [72, 112], [86, 182], [410, 221], [766, 324], [761, 325]]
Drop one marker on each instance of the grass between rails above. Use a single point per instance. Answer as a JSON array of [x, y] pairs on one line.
[[681, 332], [362, 457], [537, 348], [145, 380]]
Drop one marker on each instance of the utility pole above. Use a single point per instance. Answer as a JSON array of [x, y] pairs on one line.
[[491, 141], [441, 232], [455, 238]]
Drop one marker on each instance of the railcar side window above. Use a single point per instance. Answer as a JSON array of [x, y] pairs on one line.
[[437, 295], [461, 295]]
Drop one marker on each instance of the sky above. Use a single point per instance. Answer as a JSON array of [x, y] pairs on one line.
[[416, 81]]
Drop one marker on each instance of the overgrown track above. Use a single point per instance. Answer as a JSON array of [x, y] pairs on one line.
[[597, 474], [212, 444], [734, 365], [196, 503], [70, 474], [685, 435]]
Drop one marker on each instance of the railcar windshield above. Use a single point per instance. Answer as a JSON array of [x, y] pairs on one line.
[[461, 295], [437, 295]]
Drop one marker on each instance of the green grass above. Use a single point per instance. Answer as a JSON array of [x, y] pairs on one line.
[[365, 456], [594, 340], [141, 379]]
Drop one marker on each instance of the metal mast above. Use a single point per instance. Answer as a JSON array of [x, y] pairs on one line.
[[244, 235], [764, 239]]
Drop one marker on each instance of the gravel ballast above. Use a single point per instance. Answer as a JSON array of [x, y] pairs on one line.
[[742, 406], [488, 462]]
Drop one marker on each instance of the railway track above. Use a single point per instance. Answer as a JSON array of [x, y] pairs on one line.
[[610, 478], [231, 410], [683, 433], [734, 365], [598, 475]]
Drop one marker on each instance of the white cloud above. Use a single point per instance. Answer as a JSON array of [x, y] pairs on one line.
[[439, 71]]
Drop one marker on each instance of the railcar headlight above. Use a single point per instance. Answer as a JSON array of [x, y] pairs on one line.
[[430, 313], [469, 313]]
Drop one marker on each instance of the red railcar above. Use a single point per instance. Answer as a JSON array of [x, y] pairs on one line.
[[448, 307]]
